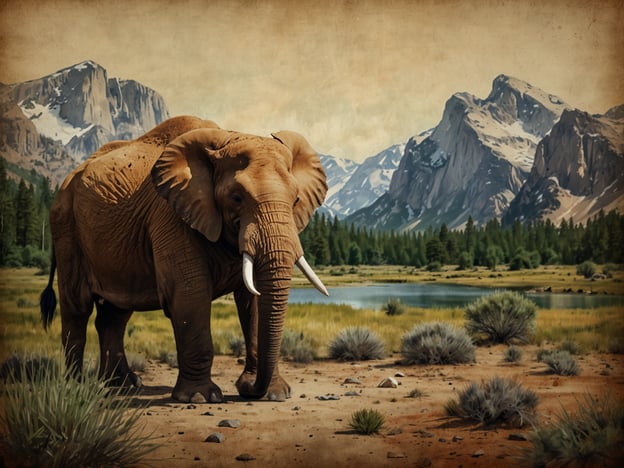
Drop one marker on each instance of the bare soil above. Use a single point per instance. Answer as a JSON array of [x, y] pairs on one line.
[[306, 431]]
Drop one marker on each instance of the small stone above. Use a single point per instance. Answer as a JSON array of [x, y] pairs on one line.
[[191, 406], [396, 455], [399, 374], [388, 382], [216, 437], [352, 380], [442, 439], [232, 423], [296, 408], [517, 436], [245, 457], [457, 438], [351, 394], [478, 453], [207, 413], [329, 396], [395, 431]]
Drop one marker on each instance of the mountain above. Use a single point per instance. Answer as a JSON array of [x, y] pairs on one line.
[[578, 170], [473, 163], [52, 123]]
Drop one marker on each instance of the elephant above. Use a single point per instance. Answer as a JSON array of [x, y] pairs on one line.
[[172, 220]]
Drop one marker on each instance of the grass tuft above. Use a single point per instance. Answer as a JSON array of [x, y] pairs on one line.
[[437, 343], [499, 400], [366, 421], [54, 419], [356, 344], [591, 437]]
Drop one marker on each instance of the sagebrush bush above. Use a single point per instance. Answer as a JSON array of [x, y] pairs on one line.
[[497, 400], [394, 307], [513, 354], [501, 317], [437, 343], [586, 269], [560, 362], [593, 436], [296, 347], [366, 421], [356, 344], [54, 419], [237, 345]]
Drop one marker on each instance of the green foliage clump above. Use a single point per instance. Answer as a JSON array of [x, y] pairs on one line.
[[501, 317], [437, 343], [591, 437], [356, 344], [560, 362], [513, 354], [494, 401], [296, 347], [394, 307], [586, 269], [366, 421], [54, 419]]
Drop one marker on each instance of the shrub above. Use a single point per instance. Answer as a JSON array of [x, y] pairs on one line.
[[501, 317], [591, 437], [571, 346], [54, 419], [497, 400], [586, 269], [465, 261], [394, 307], [366, 421], [236, 345], [437, 343], [434, 266], [296, 347], [513, 354], [560, 362], [356, 344]]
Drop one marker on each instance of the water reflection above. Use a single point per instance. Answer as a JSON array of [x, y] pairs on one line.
[[374, 296]]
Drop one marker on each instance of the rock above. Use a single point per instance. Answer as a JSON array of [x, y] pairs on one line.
[[395, 431], [352, 380], [245, 457], [517, 436], [478, 453], [396, 455], [457, 438], [207, 413], [388, 382], [216, 437], [351, 394], [399, 374], [233, 423], [329, 396]]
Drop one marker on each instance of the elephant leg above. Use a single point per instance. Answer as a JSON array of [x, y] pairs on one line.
[[195, 353], [247, 305], [110, 324], [76, 307]]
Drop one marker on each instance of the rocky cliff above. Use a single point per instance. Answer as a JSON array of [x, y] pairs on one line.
[[52, 123], [578, 170], [473, 164]]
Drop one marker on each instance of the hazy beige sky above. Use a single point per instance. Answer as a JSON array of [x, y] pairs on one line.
[[353, 77]]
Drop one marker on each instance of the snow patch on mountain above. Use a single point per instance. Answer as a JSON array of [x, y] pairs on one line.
[[49, 123]]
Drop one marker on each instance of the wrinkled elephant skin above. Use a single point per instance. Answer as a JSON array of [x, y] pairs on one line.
[[172, 220]]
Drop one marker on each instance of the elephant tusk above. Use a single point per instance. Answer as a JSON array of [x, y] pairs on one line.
[[303, 265], [248, 274]]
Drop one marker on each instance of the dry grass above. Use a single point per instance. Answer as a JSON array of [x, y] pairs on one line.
[[149, 334]]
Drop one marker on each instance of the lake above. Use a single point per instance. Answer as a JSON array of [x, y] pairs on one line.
[[374, 296]]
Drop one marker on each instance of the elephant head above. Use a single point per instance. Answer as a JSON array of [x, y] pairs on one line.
[[256, 194]]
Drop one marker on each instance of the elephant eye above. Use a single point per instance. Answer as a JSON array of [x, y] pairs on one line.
[[296, 201], [236, 198]]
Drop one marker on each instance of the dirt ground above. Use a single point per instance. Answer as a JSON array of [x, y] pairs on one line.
[[306, 431]]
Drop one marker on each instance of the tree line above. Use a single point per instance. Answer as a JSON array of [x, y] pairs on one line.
[[25, 237], [329, 241]]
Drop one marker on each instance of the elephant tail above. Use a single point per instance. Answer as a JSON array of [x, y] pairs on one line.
[[47, 302]]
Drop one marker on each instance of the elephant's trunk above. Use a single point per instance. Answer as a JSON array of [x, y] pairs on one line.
[[271, 241]]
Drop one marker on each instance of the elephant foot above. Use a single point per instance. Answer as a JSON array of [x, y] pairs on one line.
[[186, 392], [278, 389]]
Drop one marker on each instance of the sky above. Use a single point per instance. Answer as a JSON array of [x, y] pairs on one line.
[[353, 77]]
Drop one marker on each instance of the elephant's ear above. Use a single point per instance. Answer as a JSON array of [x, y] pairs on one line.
[[308, 171], [184, 176]]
